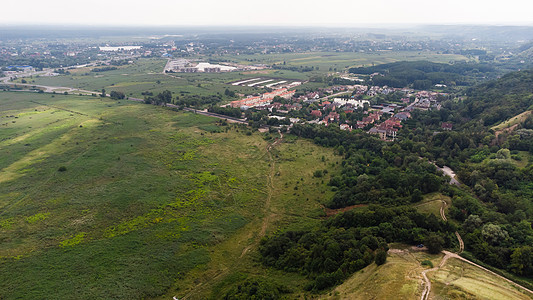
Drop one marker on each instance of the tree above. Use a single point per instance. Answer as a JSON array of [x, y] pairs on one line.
[[434, 242], [522, 261], [494, 234], [416, 196], [117, 95], [381, 257], [103, 93]]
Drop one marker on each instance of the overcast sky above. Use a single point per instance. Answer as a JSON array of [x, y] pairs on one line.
[[269, 12]]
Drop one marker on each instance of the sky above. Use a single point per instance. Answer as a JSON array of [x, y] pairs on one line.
[[271, 12]]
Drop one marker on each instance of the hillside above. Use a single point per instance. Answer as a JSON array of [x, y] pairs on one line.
[[402, 274], [500, 99]]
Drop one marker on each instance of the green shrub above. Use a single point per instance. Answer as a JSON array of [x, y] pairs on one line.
[[427, 263]]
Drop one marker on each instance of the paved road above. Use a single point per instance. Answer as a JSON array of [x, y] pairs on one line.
[[333, 95], [448, 171], [45, 88]]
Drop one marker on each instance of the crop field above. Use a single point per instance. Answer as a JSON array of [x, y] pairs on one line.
[[113, 199]]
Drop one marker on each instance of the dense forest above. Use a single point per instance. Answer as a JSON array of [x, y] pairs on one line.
[[351, 241], [423, 74]]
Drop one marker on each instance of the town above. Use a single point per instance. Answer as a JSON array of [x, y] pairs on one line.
[[350, 107]]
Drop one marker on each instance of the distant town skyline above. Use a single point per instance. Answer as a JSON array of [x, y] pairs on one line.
[[274, 12]]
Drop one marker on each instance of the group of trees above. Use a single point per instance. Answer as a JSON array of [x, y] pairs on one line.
[[423, 74], [351, 241], [227, 111], [159, 99], [117, 95], [103, 69], [374, 171], [294, 68]]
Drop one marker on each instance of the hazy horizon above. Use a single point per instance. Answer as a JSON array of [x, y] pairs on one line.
[[298, 13]]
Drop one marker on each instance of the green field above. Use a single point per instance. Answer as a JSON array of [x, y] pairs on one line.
[[107, 199], [432, 204], [341, 60]]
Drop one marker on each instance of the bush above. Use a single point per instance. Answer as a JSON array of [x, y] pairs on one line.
[[257, 289], [435, 243], [427, 263], [318, 173], [62, 169], [381, 257]]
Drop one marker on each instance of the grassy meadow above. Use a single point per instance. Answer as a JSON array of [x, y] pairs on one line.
[[432, 203], [460, 280], [114, 199]]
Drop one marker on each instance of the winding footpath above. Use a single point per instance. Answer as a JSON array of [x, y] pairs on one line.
[[270, 185], [447, 255]]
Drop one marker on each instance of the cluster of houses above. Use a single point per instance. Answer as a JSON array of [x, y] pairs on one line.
[[384, 119], [425, 100], [263, 99]]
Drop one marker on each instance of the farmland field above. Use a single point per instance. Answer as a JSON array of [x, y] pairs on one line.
[[113, 199]]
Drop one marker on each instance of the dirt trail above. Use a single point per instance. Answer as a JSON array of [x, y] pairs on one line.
[[454, 255], [448, 255], [264, 225], [331, 212], [270, 186]]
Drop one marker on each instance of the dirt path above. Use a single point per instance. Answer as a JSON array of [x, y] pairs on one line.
[[443, 216], [331, 212], [270, 186], [264, 225], [448, 255], [454, 255]]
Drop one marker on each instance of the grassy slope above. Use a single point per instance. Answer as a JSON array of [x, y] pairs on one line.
[[459, 280], [432, 203], [520, 118], [148, 196], [401, 276], [293, 161]]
